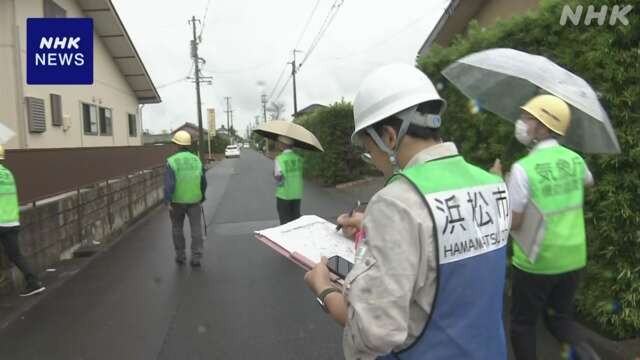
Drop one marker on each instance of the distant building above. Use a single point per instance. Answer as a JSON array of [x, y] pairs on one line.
[[222, 131], [106, 113], [192, 129], [308, 110], [156, 138], [456, 18]]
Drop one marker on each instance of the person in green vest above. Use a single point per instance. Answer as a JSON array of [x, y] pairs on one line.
[[288, 173], [430, 257], [552, 178], [10, 228], [184, 187]]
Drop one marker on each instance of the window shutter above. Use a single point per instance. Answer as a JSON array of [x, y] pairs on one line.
[[53, 10], [56, 110], [36, 115]]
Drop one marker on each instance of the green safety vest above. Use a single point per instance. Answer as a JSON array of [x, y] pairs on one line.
[[9, 208], [292, 186], [187, 168], [471, 216], [556, 183]]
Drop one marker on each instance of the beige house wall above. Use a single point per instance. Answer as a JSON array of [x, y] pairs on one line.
[[503, 9], [110, 89], [486, 12]]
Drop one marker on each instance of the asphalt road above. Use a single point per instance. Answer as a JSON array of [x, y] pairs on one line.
[[134, 302], [246, 302]]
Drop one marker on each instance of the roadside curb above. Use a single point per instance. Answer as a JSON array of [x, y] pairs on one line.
[[611, 349], [354, 183]]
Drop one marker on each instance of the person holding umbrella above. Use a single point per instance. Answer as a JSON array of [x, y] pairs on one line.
[[288, 173], [553, 178], [288, 166], [545, 186]]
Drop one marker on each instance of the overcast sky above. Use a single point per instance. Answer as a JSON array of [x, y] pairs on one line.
[[245, 42]]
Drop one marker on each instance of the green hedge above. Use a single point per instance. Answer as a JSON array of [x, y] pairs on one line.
[[606, 57], [340, 162], [219, 143]]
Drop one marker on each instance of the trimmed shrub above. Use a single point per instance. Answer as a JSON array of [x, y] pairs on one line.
[[340, 162], [219, 143]]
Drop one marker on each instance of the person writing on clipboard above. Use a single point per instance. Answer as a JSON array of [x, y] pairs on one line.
[[429, 272], [552, 178]]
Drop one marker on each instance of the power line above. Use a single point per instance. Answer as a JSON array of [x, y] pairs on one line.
[[275, 86], [328, 19], [304, 29], [204, 19], [284, 87], [331, 15], [242, 69], [404, 28], [172, 83], [284, 68]]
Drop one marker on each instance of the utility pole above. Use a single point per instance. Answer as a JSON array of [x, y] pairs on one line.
[[231, 117], [198, 78], [264, 106], [294, 70], [227, 112]]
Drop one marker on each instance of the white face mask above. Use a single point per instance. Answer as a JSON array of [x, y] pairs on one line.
[[521, 133]]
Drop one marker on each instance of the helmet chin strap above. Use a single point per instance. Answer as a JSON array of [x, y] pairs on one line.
[[391, 153]]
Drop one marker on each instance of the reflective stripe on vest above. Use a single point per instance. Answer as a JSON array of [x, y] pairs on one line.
[[291, 165], [556, 184], [9, 207], [470, 209], [188, 172]]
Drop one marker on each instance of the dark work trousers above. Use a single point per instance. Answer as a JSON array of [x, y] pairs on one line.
[[9, 240], [288, 210], [551, 295], [194, 213]]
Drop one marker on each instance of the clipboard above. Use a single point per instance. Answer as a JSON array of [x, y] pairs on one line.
[[305, 240], [531, 233]]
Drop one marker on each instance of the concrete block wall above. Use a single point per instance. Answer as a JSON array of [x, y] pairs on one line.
[[54, 228]]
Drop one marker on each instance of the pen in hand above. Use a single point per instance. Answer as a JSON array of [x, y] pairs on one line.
[[340, 225], [350, 214]]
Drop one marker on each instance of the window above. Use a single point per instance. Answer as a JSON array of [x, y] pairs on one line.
[[133, 126], [106, 128], [53, 10], [90, 119], [36, 115], [56, 109]]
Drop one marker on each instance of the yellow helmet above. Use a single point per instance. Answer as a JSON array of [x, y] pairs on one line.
[[550, 110], [1, 152], [182, 138]]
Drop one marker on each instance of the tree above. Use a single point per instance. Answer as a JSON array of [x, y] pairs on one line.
[[275, 109]]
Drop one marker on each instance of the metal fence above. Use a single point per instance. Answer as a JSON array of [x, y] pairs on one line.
[[43, 173]]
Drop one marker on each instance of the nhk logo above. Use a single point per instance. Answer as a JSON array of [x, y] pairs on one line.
[[59, 51]]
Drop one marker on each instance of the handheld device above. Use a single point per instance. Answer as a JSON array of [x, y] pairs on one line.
[[339, 266]]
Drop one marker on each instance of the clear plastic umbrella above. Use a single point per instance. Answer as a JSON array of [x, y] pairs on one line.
[[502, 80], [302, 137], [5, 134]]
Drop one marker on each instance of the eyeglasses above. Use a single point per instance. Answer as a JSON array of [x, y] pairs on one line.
[[366, 157]]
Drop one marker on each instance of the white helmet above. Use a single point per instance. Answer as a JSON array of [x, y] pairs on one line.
[[390, 90]]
